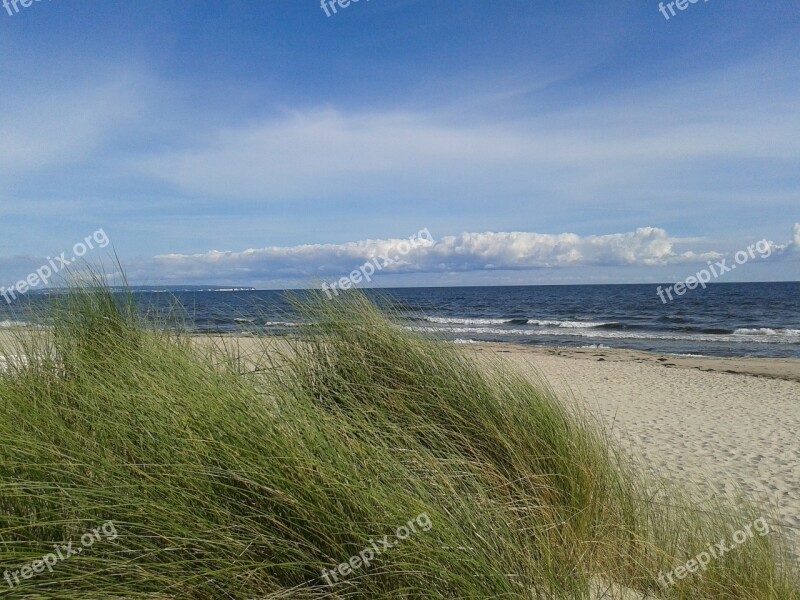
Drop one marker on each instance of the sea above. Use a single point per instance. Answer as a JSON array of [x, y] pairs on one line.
[[726, 319]]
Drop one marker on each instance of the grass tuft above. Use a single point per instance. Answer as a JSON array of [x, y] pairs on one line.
[[244, 476]]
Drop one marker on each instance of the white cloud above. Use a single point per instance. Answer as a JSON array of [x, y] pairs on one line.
[[578, 149], [319, 153], [647, 246], [789, 248]]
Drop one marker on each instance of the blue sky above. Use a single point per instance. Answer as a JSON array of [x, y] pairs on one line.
[[284, 139]]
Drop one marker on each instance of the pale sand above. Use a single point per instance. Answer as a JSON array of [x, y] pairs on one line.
[[689, 419]]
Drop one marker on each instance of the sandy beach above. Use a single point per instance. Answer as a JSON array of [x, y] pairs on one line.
[[725, 425]]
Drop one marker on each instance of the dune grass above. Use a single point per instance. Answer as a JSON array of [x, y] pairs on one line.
[[238, 478]]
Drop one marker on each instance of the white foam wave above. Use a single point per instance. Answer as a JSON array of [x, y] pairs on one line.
[[768, 331], [605, 334], [509, 321], [457, 321], [567, 324]]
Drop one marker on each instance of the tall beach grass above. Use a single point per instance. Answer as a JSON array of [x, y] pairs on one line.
[[242, 477]]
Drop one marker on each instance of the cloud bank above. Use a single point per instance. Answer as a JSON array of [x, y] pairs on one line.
[[467, 252], [464, 253], [469, 258]]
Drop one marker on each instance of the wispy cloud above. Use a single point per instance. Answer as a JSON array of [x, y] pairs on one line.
[[578, 149], [167, 172], [65, 125]]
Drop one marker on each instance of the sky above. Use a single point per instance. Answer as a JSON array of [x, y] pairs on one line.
[[275, 144]]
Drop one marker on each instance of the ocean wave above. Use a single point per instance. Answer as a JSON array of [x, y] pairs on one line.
[[606, 334], [575, 324], [517, 321], [768, 331], [668, 318], [460, 321], [692, 329]]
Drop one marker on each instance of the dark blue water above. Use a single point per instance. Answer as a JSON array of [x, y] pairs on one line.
[[736, 319]]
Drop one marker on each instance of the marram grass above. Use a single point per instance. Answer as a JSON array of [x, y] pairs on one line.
[[234, 478]]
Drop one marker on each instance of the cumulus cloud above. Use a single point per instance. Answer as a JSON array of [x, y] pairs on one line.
[[788, 249], [485, 257], [467, 252]]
